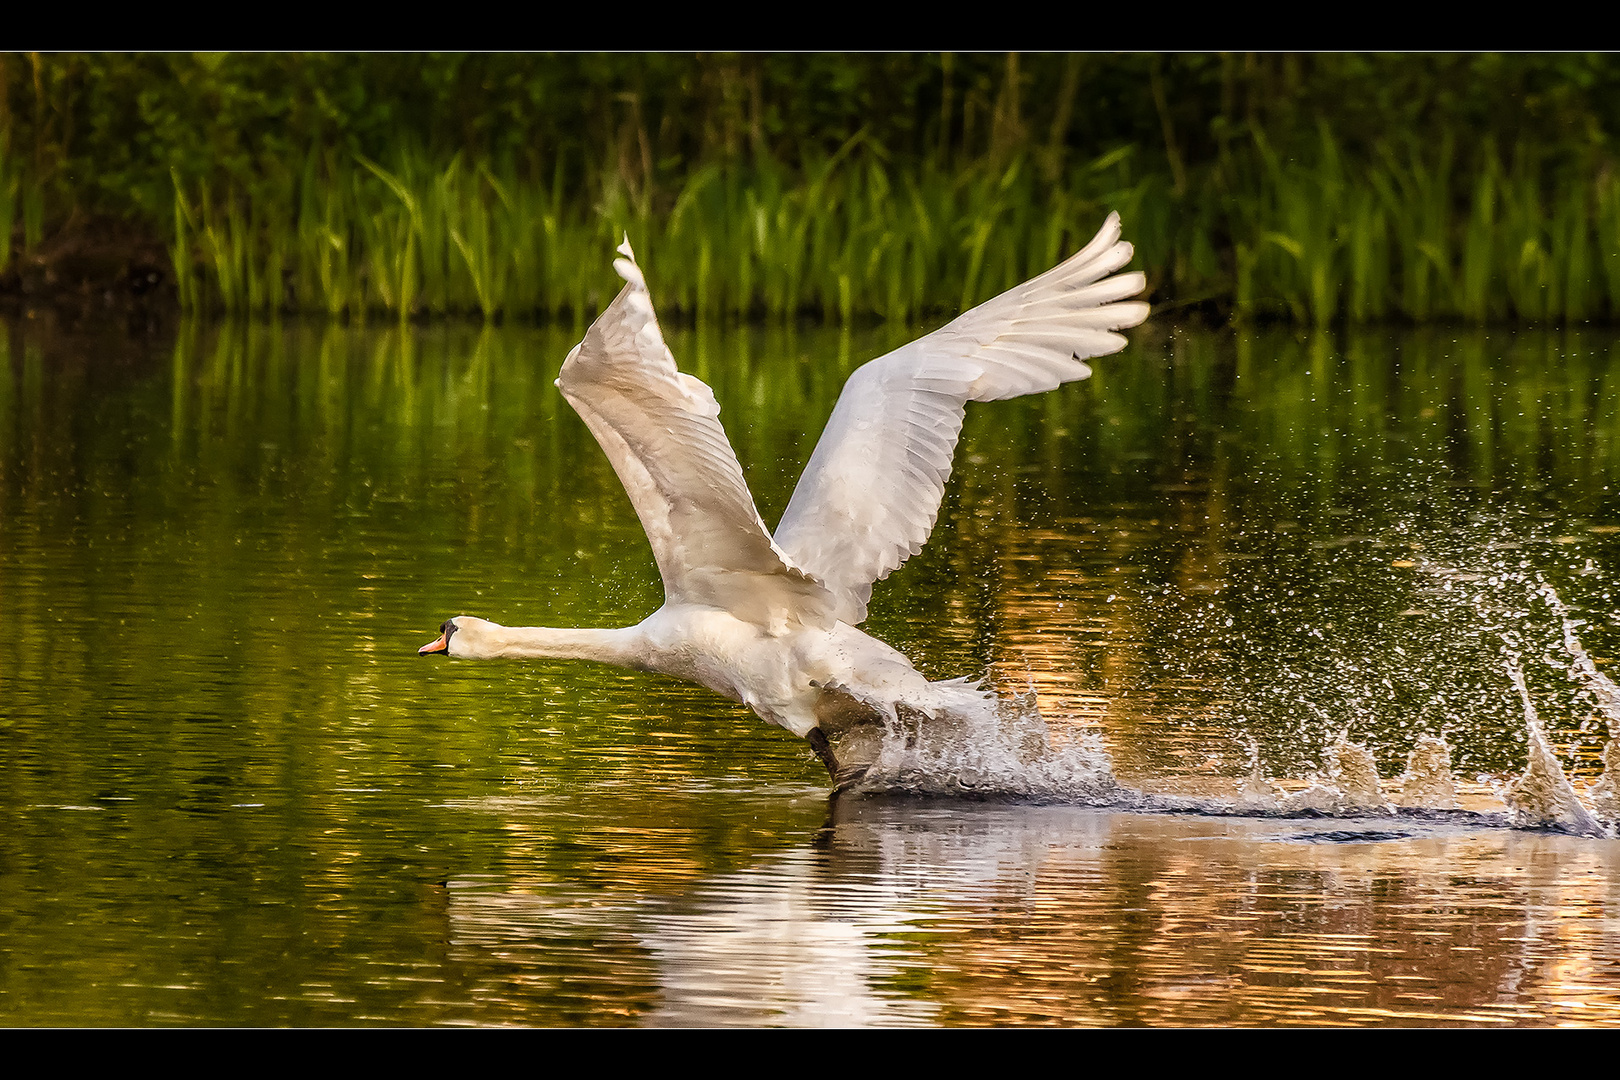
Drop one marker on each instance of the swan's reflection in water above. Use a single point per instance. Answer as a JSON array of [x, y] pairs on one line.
[[905, 913], [787, 942]]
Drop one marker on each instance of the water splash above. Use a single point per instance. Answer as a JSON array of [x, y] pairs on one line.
[[1427, 782], [1257, 794], [1605, 794], [1543, 796], [1396, 668], [1318, 798], [1354, 772], [987, 748], [1582, 667], [1351, 786]]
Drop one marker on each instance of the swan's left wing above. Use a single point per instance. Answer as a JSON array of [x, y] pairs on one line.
[[661, 430], [871, 492]]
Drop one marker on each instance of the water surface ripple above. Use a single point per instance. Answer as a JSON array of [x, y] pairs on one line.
[[1258, 576]]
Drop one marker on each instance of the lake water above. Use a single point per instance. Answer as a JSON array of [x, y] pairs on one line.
[[233, 794]]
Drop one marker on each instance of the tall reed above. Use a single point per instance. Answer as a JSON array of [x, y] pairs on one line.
[[1316, 237]]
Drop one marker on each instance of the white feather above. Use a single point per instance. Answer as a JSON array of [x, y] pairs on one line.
[[899, 416]]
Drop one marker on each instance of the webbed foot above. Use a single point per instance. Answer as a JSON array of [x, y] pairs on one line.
[[843, 775]]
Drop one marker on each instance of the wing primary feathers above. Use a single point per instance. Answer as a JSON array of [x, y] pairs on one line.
[[660, 429], [871, 492]]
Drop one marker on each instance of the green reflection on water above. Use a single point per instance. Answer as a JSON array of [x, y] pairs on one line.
[[234, 793]]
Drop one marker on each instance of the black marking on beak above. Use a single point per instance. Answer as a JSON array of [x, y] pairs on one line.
[[446, 631]]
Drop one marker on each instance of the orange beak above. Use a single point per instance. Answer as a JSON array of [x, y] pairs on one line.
[[438, 646]]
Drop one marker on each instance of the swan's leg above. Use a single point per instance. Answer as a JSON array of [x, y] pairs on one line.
[[824, 751], [843, 776]]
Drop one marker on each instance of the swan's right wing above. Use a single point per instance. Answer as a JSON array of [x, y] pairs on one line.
[[871, 492], [661, 430]]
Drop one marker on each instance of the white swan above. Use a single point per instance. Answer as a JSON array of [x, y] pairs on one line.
[[770, 621]]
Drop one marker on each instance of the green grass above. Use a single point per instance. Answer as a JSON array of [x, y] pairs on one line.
[[1313, 238], [1406, 237]]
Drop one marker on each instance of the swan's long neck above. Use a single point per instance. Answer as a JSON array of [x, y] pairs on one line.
[[621, 647]]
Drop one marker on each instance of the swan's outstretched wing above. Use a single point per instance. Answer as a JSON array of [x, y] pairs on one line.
[[661, 430], [868, 499]]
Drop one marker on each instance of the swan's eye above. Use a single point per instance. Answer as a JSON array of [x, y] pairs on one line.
[[449, 627]]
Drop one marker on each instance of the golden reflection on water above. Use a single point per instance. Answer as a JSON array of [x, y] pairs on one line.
[[910, 913], [1069, 628], [235, 795]]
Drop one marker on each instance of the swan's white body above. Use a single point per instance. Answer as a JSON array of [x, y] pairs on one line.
[[771, 620]]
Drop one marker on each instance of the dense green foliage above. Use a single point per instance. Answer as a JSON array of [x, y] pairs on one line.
[[1314, 188]]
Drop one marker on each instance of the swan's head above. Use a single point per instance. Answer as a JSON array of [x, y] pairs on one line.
[[458, 637]]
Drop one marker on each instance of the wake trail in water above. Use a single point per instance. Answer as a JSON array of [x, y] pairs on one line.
[[982, 746], [1002, 749]]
